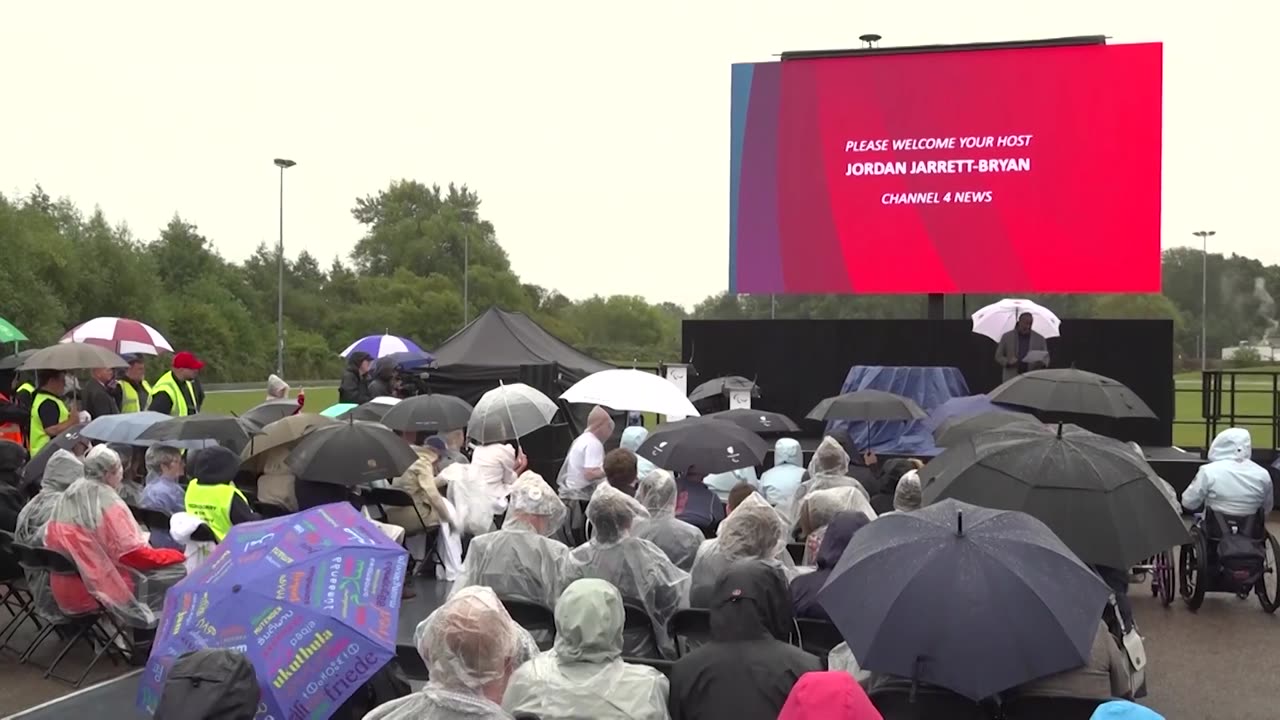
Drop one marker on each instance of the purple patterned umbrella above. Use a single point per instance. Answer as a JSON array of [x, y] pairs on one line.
[[312, 599]]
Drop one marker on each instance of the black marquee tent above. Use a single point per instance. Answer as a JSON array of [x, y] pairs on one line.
[[508, 347]]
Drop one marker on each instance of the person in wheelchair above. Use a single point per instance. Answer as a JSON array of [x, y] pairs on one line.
[[1230, 483]]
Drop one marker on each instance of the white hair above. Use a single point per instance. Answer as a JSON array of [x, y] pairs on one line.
[[100, 462], [160, 455]]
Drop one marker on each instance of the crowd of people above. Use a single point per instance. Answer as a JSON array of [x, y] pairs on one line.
[[615, 536]]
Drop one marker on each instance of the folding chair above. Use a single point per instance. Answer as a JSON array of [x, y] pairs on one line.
[[16, 595], [817, 637], [693, 624], [537, 618], [269, 510], [394, 497]]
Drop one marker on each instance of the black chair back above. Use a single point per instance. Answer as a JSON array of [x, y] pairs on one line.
[[796, 550], [896, 702], [137, 514], [1029, 707], [817, 636], [270, 510], [152, 518], [690, 624], [204, 533], [636, 619], [34, 558], [662, 666], [388, 497], [530, 615]]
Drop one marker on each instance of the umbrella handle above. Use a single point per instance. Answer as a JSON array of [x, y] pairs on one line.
[[507, 406]]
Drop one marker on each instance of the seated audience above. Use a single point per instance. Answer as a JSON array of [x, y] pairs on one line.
[[13, 457], [162, 491], [696, 504], [93, 526], [748, 668], [212, 495], [779, 483], [454, 441], [63, 469], [740, 492], [419, 481], [1105, 675], [1124, 710], [620, 468], [584, 676], [891, 473], [907, 496], [841, 658], [470, 646], [753, 532], [213, 684], [804, 589], [277, 484], [829, 468], [131, 486], [493, 470], [640, 571], [828, 696], [521, 561], [676, 538], [820, 507], [723, 483], [632, 438], [1231, 483]]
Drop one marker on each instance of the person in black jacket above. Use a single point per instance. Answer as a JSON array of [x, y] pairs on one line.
[[355, 379], [100, 393], [13, 457], [747, 670], [804, 589], [384, 378]]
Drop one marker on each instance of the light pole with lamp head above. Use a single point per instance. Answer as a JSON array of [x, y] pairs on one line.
[[1204, 236], [282, 164]]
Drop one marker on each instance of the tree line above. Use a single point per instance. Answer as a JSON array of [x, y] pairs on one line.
[[405, 274]]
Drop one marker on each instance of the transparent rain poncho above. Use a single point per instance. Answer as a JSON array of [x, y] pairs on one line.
[[63, 469], [675, 537], [754, 530], [829, 468], [638, 568], [584, 675], [632, 438], [470, 645], [821, 507], [93, 526], [521, 561]]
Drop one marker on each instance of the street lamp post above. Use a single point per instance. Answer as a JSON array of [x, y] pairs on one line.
[[1204, 236], [466, 278], [282, 164]]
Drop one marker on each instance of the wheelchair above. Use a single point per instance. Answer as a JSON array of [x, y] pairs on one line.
[[1163, 574], [1229, 554]]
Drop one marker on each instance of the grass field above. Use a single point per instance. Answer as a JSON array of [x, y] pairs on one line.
[[1251, 399]]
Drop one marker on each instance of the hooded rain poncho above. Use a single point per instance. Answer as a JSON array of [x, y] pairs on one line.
[[638, 568], [1231, 483], [521, 561], [748, 669], [63, 469], [829, 468], [468, 643], [632, 438], [753, 531], [780, 482], [821, 507], [675, 537], [95, 528], [584, 675], [828, 696], [804, 589]]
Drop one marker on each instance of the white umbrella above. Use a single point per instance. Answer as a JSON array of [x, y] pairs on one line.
[[633, 390], [999, 318], [121, 335], [509, 412]]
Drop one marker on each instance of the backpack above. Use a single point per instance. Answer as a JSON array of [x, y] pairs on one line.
[[1240, 556], [210, 685]]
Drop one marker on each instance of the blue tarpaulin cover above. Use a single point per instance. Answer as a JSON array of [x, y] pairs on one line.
[[930, 387]]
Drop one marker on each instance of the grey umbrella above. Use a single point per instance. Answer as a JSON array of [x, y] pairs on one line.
[[127, 429], [968, 598], [225, 430], [65, 440], [429, 413], [867, 405], [1073, 392], [72, 356], [12, 362], [1100, 498], [350, 454], [723, 386], [508, 412], [761, 422], [956, 429], [265, 413]]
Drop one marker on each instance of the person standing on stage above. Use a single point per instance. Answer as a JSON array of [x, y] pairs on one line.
[[1022, 349]]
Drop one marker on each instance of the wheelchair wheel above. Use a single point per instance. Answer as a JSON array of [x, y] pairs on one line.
[[1162, 577], [1194, 572], [1268, 587]]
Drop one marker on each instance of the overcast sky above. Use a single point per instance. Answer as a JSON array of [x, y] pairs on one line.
[[596, 133]]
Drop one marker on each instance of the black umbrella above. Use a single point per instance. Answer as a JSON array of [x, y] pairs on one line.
[[367, 412], [707, 446], [1074, 392], [1100, 498], [971, 599], [760, 422], [225, 430], [867, 405], [954, 430], [12, 362], [270, 411], [65, 440], [429, 413], [723, 386], [350, 454]]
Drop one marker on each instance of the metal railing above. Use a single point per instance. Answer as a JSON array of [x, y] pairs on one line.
[[1237, 398]]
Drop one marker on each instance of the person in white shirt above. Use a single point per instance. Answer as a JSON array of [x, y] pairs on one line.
[[583, 467], [494, 469], [1231, 483]]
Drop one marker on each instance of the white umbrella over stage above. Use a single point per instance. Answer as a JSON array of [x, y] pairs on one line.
[[997, 319], [633, 390]]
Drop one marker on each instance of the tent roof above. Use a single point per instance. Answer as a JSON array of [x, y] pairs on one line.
[[501, 339]]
